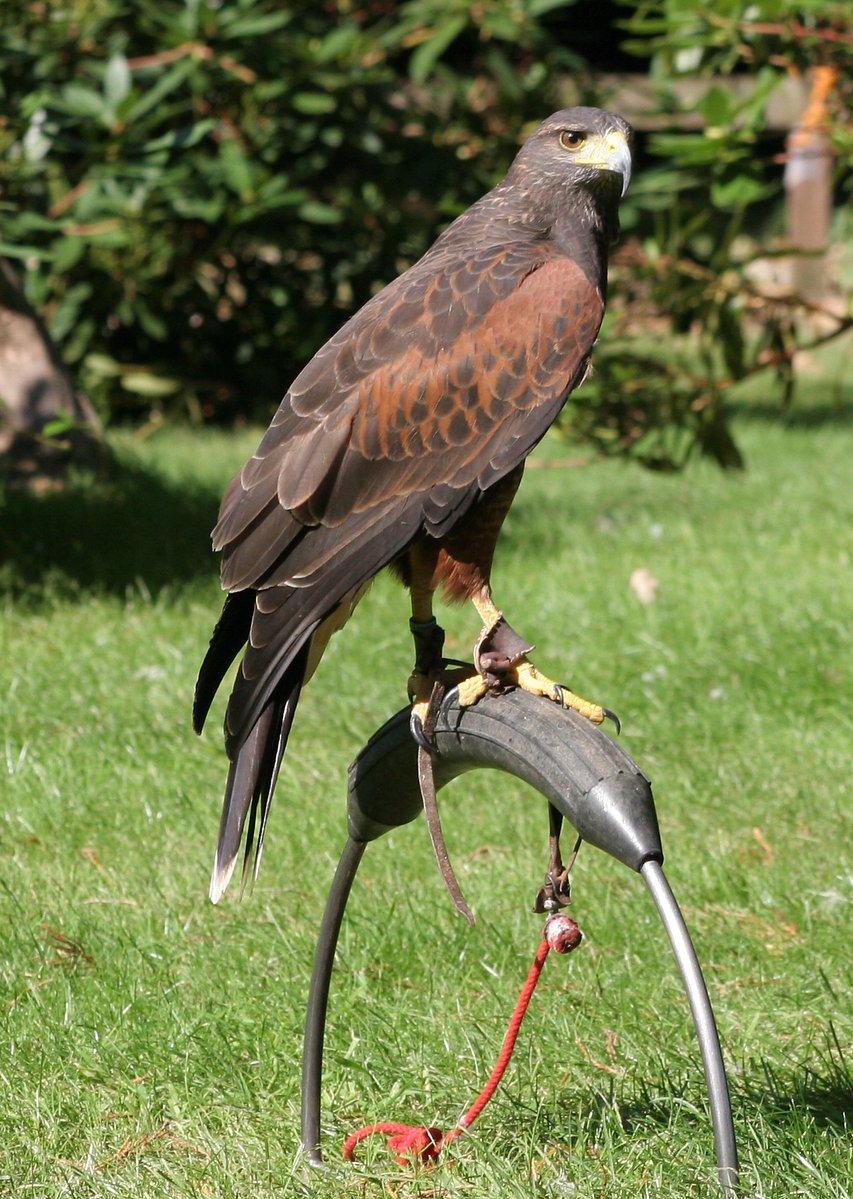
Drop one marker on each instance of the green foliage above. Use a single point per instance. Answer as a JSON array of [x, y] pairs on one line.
[[691, 312], [202, 192], [687, 38]]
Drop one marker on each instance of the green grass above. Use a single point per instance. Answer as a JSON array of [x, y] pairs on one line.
[[151, 1041]]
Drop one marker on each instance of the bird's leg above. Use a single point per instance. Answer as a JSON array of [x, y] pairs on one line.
[[500, 657], [430, 665], [429, 642]]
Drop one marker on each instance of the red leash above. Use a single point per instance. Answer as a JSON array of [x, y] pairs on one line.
[[406, 1140]]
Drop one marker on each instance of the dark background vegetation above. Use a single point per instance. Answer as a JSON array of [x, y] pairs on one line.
[[197, 195]]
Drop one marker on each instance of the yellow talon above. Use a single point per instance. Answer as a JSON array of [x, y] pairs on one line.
[[525, 675], [420, 689], [471, 689]]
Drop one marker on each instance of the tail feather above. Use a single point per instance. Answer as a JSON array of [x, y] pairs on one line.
[[252, 779], [229, 637]]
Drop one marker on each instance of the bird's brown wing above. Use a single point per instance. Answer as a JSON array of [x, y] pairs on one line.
[[443, 382], [435, 390]]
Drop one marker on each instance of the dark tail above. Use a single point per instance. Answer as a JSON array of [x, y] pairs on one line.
[[229, 637], [254, 770], [252, 779]]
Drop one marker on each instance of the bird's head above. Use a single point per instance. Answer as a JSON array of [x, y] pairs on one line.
[[579, 148]]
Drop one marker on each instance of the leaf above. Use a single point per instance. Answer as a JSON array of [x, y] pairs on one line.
[[275, 193], [84, 101], [236, 167], [152, 97], [252, 26], [61, 424], [10, 250], [313, 103], [337, 43], [716, 106], [504, 73], [102, 364], [182, 139], [69, 251], [732, 342], [31, 222], [737, 191], [116, 80], [497, 24], [153, 325], [428, 53], [145, 384], [36, 143], [752, 106], [200, 208], [317, 213], [68, 311]]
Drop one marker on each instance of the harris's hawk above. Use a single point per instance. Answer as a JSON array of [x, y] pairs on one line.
[[403, 442]]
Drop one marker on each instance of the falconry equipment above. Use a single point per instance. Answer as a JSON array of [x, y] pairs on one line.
[[402, 443]]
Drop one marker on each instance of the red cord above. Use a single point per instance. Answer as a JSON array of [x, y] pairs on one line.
[[406, 1140]]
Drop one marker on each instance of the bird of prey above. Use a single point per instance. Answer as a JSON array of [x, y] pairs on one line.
[[402, 444]]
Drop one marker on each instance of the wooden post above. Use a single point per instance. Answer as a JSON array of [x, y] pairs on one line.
[[808, 184]]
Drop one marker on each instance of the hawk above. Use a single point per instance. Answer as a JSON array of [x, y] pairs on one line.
[[402, 443]]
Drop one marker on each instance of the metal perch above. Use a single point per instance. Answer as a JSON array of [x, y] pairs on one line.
[[586, 776]]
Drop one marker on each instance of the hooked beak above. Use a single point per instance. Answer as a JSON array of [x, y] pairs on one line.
[[608, 152], [619, 157]]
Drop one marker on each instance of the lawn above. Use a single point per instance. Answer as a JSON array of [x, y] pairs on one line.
[[151, 1041]]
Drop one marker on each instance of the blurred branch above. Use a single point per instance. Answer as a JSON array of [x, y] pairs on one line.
[[797, 31]]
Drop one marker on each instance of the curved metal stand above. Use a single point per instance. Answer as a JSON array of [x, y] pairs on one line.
[[318, 996], [587, 777], [703, 1018]]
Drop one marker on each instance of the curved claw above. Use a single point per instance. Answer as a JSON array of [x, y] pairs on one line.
[[416, 728], [612, 716]]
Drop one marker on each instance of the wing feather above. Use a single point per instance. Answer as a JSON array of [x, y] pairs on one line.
[[435, 390], [441, 409]]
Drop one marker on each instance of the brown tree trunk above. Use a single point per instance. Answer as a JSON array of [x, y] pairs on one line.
[[36, 391]]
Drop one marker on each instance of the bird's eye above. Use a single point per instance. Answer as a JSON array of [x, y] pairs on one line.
[[572, 139]]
